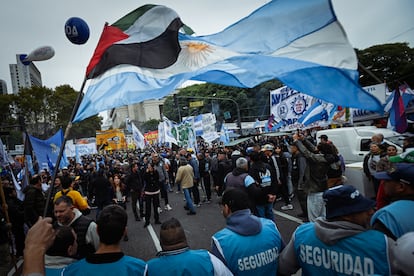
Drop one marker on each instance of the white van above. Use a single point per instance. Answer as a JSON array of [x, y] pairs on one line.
[[353, 142]]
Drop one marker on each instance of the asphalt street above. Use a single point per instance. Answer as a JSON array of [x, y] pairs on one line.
[[144, 242]]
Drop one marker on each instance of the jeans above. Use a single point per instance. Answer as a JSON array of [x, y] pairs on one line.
[[265, 211], [316, 206], [188, 200]]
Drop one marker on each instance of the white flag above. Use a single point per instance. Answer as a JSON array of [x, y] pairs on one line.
[[4, 158], [139, 139], [169, 130]]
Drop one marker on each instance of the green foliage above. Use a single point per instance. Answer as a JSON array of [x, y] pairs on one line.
[[253, 102], [391, 63], [149, 125], [42, 111]]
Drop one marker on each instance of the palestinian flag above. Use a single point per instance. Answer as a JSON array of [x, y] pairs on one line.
[[146, 37]]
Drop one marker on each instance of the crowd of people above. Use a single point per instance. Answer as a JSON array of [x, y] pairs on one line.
[[247, 179]]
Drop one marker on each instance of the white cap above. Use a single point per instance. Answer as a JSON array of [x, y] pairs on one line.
[[404, 253]]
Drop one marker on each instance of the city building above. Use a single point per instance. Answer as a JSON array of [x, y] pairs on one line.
[[3, 87], [24, 76], [140, 112]]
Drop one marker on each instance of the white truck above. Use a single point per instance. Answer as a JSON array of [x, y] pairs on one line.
[[353, 142]]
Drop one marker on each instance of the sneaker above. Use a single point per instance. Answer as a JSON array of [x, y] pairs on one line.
[[287, 207], [168, 207], [159, 210], [291, 196], [278, 199], [197, 205], [191, 213]]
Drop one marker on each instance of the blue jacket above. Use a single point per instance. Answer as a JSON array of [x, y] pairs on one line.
[[248, 244], [396, 217], [362, 254], [186, 262]]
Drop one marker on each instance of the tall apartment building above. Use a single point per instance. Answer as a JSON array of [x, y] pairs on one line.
[[3, 87], [24, 76], [141, 112]]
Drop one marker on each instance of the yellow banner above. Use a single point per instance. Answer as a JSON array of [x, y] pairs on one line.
[[112, 139], [196, 104]]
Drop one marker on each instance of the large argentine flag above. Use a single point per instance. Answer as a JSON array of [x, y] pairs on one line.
[[299, 42]]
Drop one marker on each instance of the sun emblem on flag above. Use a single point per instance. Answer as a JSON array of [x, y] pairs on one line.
[[55, 148], [299, 105], [195, 54]]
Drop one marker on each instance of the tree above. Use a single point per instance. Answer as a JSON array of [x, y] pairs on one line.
[[45, 111], [149, 125], [252, 101], [392, 63]]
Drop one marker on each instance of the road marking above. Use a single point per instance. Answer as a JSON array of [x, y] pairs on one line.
[[154, 238], [13, 270], [289, 217]]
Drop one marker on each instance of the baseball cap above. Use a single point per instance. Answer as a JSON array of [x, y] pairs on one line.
[[345, 200], [323, 136], [403, 172], [268, 147], [404, 253], [407, 156], [236, 152]]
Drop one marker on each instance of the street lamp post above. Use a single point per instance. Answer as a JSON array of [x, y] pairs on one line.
[[216, 98]]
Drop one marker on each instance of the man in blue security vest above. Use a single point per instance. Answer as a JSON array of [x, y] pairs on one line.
[[176, 258], [109, 258], [249, 245], [341, 243], [396, 219]]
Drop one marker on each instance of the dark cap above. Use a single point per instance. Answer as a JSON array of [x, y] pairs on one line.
[[172, 236], [402, 172], [345, 200], [324, 137]]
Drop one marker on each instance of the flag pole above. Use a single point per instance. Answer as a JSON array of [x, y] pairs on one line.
[[62, 147]]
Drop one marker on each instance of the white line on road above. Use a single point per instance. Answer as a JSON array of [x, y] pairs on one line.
[[289, 217], [154, 238]]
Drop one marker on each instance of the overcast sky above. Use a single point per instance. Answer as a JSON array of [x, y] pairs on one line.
[[28, 24]]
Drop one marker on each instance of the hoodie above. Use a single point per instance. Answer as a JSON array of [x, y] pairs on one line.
[[329, 232]]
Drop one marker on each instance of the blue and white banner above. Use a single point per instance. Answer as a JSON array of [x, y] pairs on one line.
[[137, 136], [4, 158], [291, 109], [287, 106], [48, 148]]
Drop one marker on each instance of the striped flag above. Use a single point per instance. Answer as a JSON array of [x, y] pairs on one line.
[[397, 119], [143, 56], [137, 136], [224, 135]]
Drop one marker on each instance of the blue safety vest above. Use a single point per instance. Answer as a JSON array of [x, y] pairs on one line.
[[127, 265], [184, 262], [248, 255], [397, 217], [365, 253]]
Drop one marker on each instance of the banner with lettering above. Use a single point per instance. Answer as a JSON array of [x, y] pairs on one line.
[[287, 106], [290, 108]]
